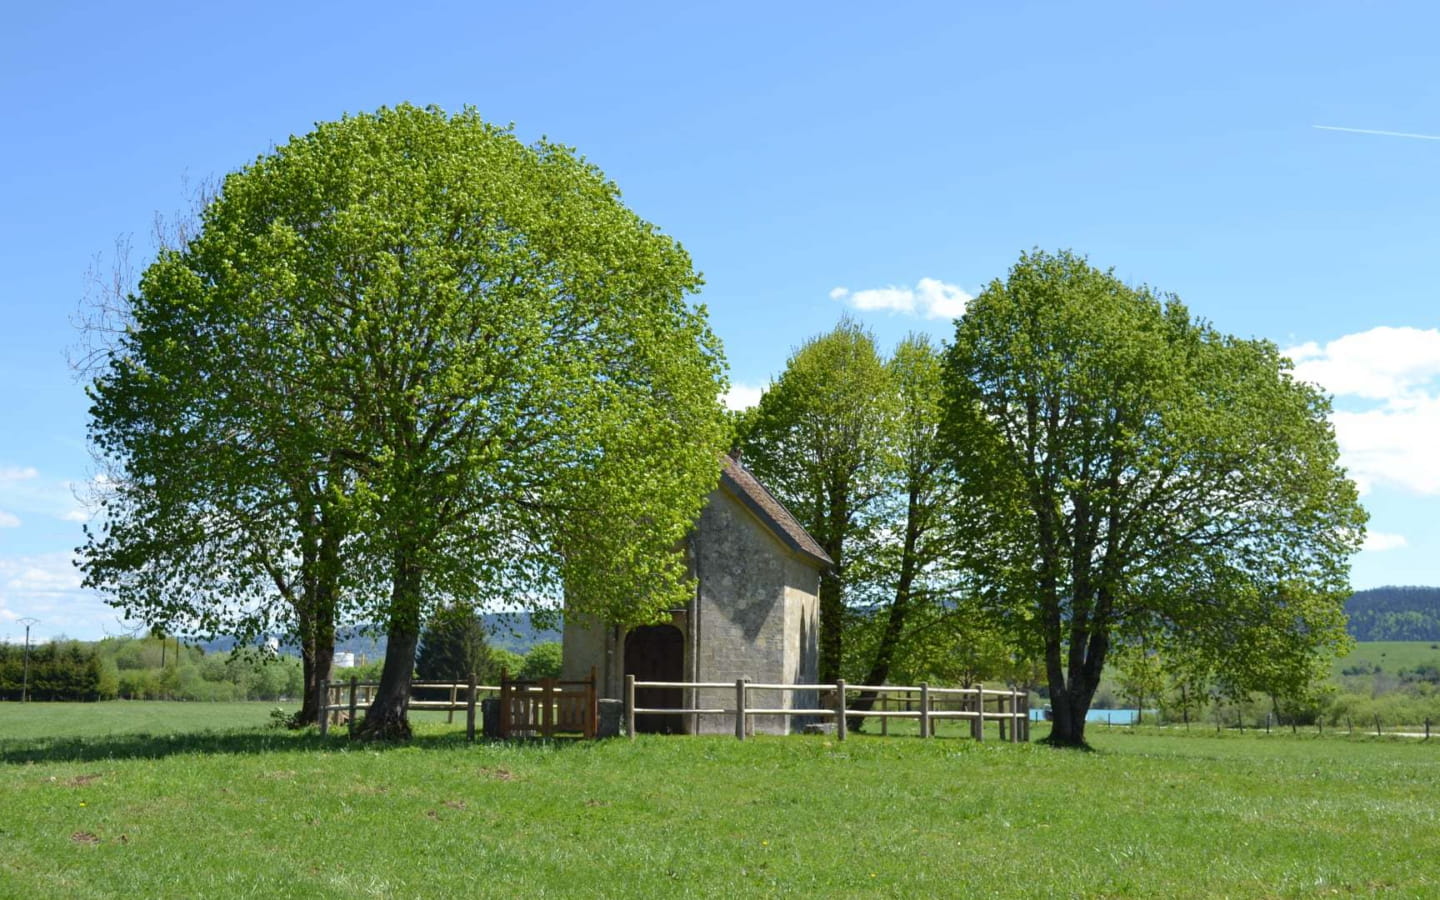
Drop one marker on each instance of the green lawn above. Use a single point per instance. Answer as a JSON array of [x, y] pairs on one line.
[[1392, 656], [94, 805], [93, 720]]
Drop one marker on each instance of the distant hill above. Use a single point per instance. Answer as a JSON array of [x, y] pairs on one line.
[[516, 632], [1395, 614]]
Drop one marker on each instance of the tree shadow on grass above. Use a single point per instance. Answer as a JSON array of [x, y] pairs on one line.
[[217, 743]]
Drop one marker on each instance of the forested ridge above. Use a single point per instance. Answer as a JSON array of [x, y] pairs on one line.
[[1395, 614]]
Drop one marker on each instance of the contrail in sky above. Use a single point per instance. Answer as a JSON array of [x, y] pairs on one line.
[[1423, 137]]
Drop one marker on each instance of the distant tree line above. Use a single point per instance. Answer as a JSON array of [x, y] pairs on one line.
[[1395, 614], [156, 668], [149, 668], [57, 671]]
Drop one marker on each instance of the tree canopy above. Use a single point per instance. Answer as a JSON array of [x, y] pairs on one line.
[[1125, 470], [223, 514], [474, 350], [820, 439]]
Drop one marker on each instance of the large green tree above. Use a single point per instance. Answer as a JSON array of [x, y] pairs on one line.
[[1126, 470], [221, 512], [905, 595], [820, 440], [495, 358]]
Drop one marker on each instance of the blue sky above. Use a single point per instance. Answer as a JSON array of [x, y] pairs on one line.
[[888, 159]]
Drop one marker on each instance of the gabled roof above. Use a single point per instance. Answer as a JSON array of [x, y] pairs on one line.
[[736, 479]]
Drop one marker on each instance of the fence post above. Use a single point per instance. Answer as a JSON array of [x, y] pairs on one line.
[[841, 726], [630, 706], [504, 728], [979, 712], [354, 686], [547, 711], [885, 720], [924, 709], [740, 709], [450, 713], [1427, 728], [1350, 726], [978, 725], [1377, 725], [324, 704], [1014, 716], [470, 711], [592, 707], [1267, 723]]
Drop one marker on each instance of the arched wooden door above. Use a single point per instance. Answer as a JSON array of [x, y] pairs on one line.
[[657, 653]]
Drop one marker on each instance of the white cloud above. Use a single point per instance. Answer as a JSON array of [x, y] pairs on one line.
[[930, 299], [1379, 540], [1386, 382], [1390, 364], [742, 396], [48, 587], [941, 300], [1392, 446], [50, 573], [26, 493]]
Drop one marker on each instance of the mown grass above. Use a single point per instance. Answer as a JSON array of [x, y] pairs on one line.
[[256, 811], [1391, 656], [87, 720]]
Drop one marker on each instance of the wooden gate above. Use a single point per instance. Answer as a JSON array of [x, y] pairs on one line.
[[545, 707]]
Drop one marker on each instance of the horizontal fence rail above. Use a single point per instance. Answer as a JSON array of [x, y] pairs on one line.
[[537, 708], [926, 704], [542, 708], [344, 698]]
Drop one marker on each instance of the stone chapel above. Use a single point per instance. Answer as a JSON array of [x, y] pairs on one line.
[[755, 614]]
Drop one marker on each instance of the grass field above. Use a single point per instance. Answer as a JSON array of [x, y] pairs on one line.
[[1392, 656], [132, 799]]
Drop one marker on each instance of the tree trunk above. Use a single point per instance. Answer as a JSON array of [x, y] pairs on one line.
[[320, 592], [317, 659], [884, 656], [387, 718], [1068, 726], [1070, 698], [1067, 717], [832, 613], [895, 621]]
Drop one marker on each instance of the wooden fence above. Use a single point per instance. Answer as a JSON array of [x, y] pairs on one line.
[[538, 708], [347, 698], [928, 705]]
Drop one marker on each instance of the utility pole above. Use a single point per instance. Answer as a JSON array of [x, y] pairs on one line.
[[25, 685]]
